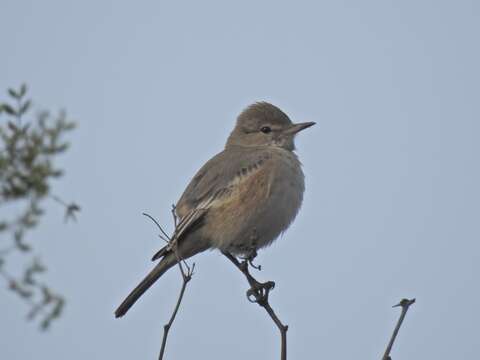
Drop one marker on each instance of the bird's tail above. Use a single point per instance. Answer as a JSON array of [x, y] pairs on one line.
[[166, 263]]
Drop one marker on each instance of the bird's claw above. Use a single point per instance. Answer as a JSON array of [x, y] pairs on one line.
[[256, 267], [259, 292], [249, 257]]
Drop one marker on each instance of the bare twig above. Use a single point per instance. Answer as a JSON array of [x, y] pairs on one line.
[[187, 274], [166, 328], [258, 293], [70, 209], [405, 304], [164, 237]]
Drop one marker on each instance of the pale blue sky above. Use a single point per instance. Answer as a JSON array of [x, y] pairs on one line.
[[391, 208]]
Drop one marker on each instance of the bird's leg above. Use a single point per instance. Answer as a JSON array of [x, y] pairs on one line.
[[258, 292], [250, 255], [251, 250]]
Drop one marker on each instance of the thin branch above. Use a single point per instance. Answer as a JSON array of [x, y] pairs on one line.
[[405, 304], [258, 293], [187, 274], [70, 209], [158, 225], [166, 328]]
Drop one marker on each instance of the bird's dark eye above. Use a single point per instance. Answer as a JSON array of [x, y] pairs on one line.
[[266, 129]]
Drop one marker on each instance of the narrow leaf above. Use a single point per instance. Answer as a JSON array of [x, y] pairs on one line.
[[25, 107], [9, 110], [13, 94], [12, 126], [23, 90]]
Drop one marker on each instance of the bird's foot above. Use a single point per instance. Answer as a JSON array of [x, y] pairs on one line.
[[258, 293]]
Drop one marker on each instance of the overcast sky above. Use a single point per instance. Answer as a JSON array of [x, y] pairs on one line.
[[392, 198]]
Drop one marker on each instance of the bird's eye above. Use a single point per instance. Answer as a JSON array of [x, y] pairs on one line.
[[266, 129]]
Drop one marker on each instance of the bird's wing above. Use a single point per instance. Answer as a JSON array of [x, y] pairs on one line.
[[212, 183], [215, 179]]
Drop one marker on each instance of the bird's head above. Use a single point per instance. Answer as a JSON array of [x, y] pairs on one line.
[[263, 124]]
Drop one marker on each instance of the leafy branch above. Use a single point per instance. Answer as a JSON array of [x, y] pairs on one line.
[[27, 153]]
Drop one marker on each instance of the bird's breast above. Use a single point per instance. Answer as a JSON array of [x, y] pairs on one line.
[[262, 201]]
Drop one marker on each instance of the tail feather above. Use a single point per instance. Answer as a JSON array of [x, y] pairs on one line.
[[185, 250], [166, 263], [160, 253]]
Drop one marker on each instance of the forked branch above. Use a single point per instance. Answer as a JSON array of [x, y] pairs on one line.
[[187, 273]]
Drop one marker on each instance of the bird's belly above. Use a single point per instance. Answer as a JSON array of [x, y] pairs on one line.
[[260, 208]]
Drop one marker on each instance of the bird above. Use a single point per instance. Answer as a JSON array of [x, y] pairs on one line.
[[242, 199]]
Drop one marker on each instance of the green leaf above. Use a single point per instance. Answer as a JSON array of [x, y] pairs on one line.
[[13, 93], [12, 126], [3, 225], [25, 107], [9, 110], [18, 237], [23, 90]]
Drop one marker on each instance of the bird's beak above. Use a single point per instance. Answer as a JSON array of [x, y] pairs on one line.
[[295, 128]]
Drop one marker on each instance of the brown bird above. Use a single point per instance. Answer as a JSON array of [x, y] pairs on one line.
[[242, 199]]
